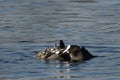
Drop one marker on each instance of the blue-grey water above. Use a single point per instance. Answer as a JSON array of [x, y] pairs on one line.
[[27, 26]]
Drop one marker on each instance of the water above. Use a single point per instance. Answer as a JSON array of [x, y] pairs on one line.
[[27, 26]]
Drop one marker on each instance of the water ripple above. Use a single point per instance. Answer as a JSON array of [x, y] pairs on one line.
[[29, 26]]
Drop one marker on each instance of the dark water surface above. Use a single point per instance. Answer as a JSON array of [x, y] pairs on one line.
[[27, 26]]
